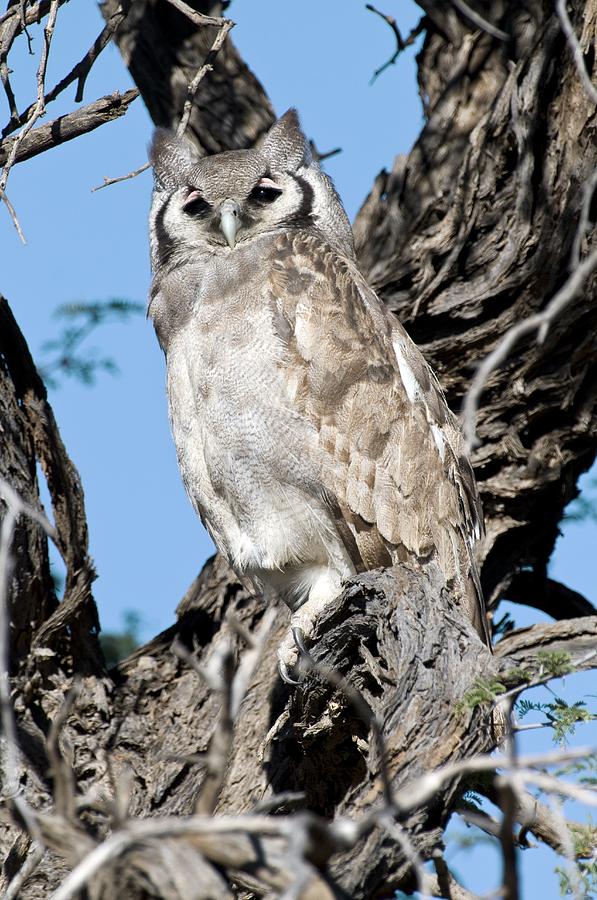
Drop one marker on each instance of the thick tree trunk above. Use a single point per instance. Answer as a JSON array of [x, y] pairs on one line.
[[467, 235]]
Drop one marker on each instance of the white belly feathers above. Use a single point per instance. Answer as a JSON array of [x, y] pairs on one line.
[[259, 499]]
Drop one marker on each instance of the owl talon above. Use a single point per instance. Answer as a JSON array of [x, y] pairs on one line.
[[299, 639], [284, 674]]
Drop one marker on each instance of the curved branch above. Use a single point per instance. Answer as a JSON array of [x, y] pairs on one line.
[[575, 637], [550, 596]]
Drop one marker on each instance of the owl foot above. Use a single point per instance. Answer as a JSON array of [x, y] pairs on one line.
[[290, 655]]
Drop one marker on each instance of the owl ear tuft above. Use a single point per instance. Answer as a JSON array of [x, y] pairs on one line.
[[285, 145], [172, 158]]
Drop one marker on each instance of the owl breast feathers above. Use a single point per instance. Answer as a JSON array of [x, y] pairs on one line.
[[313, 438]]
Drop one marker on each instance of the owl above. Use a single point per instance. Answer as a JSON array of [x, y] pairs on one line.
[[312, 437]]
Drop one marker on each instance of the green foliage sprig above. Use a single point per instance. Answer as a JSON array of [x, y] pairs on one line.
[[563, 717], [64, 357]]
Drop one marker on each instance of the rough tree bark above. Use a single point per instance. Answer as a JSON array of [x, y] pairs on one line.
[[470, 233]]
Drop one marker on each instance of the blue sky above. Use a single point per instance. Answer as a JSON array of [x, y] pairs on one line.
[[145, 539]]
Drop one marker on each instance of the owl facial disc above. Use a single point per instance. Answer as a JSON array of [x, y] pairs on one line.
[[229, 221]]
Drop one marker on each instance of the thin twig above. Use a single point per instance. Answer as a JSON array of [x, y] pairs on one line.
[[567, 847], [539, 322], [32, 15], [423, 788], [139, 829], [27, 869], [553, 785], [62, 773], [477, 19], [232, 685], [583, 225], [508, 790], [543, 678], [402, 838], [13, 214], [200, 19], [401, 43], [577, 53], [342, 833], [109, 181], [78, 73], [226, 25], [7, 37], [40, 104]]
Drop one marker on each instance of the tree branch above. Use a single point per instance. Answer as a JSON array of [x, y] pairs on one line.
[[67, 127], [575, 637], [557, 600], [540, 323], [78, 73]]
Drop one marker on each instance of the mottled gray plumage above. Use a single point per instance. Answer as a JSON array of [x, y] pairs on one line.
[[312, 437]]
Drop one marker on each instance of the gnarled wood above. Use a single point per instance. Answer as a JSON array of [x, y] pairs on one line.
[[464, 237]]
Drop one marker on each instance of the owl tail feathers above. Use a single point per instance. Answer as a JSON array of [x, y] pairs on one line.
[[476, 606]]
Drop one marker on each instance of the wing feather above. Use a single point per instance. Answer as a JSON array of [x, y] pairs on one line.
[[394, 467]]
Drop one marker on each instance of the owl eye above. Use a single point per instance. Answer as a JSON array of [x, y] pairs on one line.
[[265, 191], [195, 204]]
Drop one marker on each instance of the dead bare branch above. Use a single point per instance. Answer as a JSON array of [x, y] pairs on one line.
[[225, 26], [576, 49], [66, 128], [540, 323], [401, 43], [13, 889], [13, 215], [231, 683], [39, 107], [78, 73], [15, 507], [198, 18], [133, 174], [447, 885], [477, 19]]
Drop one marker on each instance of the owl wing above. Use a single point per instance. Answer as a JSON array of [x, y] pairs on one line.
[[394, 469]]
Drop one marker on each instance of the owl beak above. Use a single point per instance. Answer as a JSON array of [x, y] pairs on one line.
[[229, 221]]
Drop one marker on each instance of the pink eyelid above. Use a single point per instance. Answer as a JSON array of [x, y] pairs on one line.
[[194, 195], [267, 183]]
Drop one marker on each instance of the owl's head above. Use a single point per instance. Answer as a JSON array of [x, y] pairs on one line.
[[216, 203]]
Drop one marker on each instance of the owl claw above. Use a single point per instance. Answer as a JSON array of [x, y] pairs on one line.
[[284, 674], [299, 639]]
